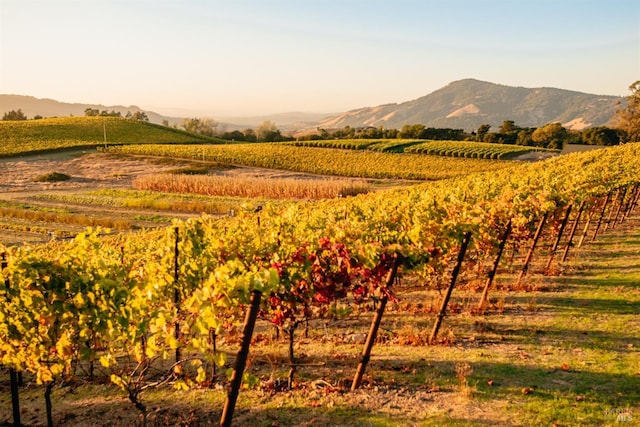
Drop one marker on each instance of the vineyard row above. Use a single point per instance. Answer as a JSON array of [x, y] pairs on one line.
[[129, 301]]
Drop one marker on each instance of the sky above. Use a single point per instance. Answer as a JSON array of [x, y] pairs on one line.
[[212, 58]]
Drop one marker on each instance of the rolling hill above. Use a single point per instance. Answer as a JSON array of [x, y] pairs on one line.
[[26, 136], [467, 104]]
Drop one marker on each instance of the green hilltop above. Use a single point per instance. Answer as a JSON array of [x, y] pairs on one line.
[[30, 136]]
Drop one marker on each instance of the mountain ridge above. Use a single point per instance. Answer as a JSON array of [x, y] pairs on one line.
[[469, 103], [462, 104]]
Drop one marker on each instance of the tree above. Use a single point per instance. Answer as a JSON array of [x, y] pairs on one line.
[[507, 127], [140, 115], [600, 135], [14, 115], [524, 137], [552, 135], [91, 112], [268, 132], [250, 135], [204, 126], [627, 119], [508, 132], [482, 131], [234, 135], [411, 131]]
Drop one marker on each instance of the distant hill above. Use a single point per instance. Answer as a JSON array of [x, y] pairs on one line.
[[29, 136], [45, 107], [467, 104], [463, 104]]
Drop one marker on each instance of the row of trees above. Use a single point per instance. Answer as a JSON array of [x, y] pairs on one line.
[[553, 135], [16, 115], [266, 132], [89, 112], [137, 115]]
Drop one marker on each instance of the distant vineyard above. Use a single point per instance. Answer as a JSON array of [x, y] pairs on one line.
[[466, 149], [476, 150], [50, 134], [347, 144], [351, 163]]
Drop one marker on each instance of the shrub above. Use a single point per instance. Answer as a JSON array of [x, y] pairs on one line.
[[52, 177]]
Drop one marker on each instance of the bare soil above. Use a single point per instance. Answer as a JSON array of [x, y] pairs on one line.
[[91, 170]]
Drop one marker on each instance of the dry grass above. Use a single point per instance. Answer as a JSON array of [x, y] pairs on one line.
[[271, 188]]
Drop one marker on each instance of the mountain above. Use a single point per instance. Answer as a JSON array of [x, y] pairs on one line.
[[463, 104], [467, 104], [45, 107]]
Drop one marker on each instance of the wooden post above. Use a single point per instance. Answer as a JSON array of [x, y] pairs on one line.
[[536, 237], [607, 223], [176, 290], [454, 276], [104, 131], [573, 232], [586, 226], [13, 375], [375, 325], [636, 200], [556, 244], [241, 359], [15, 397], [604, 209], [622, 197], [494, 269], [633, 200]]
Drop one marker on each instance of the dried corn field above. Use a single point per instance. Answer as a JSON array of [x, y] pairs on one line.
[[259, 187]]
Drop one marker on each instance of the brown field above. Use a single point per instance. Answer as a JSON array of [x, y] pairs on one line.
[[99, 171]]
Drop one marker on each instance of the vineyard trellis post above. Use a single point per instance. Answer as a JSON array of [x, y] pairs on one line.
[[572, 233], [176, 290], [454, 276], [607, 223], [585, 231], [556, 244], [375, 325], [602, 212], [13, 375], [241, 359], [633, 194], [622, 198], [494, 268], [536, 237], [635, 200]]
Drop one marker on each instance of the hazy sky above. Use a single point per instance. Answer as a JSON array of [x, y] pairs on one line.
[[236, 57]]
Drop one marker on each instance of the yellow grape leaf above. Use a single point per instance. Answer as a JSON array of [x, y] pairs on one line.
[[106, 361], [202, 375], [181, 385], [79, 300]]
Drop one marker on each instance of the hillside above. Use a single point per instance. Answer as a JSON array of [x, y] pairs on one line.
[[467, 104], [463, 104], [32, 106], [68, 132]]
